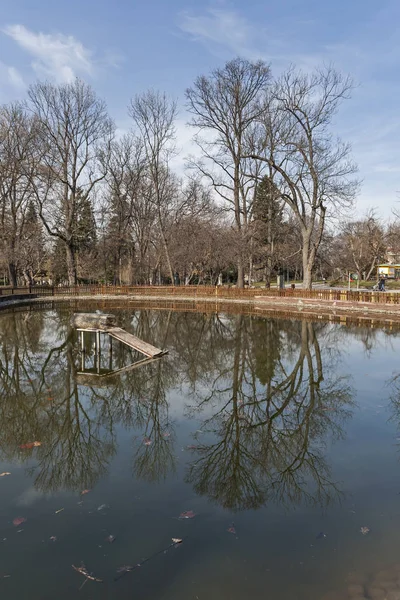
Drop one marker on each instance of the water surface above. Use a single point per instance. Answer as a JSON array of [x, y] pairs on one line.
[[281, 436]]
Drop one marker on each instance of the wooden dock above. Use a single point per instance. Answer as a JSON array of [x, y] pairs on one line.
[[134, 342]]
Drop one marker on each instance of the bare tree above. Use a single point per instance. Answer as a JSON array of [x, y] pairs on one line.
[[154, 115], [361, 245], [75, 132], [224, 106], [311, 169], [126, 227], [18, 161]]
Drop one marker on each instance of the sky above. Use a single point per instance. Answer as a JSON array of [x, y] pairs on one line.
[[127, 46]]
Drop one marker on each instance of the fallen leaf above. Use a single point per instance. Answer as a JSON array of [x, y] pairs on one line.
[[232, 529], [102, 506], [187, 514], [321, 535], [83, 492], [147, 441], [166, 434], [18, 520], [50, 398], [4, 474], [176, 540], [110, 539], [30, 445], [83, 571], [365, 530], [59, 510], [53, 538], [125, 569]]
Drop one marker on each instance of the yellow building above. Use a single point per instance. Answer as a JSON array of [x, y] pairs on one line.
[[389, 271]]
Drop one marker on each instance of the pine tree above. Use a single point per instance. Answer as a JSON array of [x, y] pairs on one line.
[[268, 219]]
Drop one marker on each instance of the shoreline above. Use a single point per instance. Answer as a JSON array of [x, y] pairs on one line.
[[316, 309]]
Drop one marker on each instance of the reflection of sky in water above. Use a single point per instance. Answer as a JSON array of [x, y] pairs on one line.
[[242, 413]]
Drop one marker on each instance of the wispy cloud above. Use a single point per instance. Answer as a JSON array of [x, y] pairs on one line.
[[219, 27], [224, 31], [10, 76], [55, 56]]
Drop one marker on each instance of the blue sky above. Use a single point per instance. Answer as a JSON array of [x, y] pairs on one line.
[[124, 47]]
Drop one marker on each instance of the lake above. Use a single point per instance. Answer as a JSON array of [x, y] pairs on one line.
[[269, 446]]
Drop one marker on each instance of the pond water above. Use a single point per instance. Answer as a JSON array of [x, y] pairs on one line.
[[277, 439]]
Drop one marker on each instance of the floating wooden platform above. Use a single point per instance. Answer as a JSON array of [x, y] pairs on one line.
[[104, 323], [134, 342]]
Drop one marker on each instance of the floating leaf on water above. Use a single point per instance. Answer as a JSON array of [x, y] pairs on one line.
[[321, 535], [53, 538], [30, 445], [125, 569], [166, 434], [365, 530], [19, 520], [83, 492], [147, 441], [177, 540], [59, 510], [232, 529], [110, 539], [4, 474], [192, 447], [187, 514], [102, 507], [83, 571]]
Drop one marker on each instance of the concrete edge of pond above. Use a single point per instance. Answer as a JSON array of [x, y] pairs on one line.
[[312, 308]]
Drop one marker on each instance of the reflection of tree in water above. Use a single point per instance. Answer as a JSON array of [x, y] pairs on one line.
[[41, 402], [270, 419], [76, 425], [272, 400]]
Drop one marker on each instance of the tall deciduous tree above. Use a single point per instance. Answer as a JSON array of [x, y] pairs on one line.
[[75, 133], [311, 168], [154, 115], [18, 161], [224, 106]]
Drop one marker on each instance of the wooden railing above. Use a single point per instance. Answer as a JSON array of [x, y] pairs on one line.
[[194, 292]]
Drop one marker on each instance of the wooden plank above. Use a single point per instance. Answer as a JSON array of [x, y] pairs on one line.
[[134, 342]]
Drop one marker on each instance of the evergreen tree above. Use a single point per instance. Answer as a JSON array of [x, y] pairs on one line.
[[269, 225]]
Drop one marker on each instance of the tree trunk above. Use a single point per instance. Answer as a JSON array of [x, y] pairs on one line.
[[28, 276], [12, 274], [308, 263], [240, 276], [71, 264], [166, 250]]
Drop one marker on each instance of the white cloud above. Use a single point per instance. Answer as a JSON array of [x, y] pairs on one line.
[[218, 26], [225, 32], [10, 77], [15, 77], [55, 56]]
